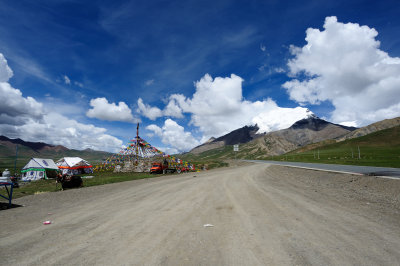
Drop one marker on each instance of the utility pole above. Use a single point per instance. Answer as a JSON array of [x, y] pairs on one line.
[[352, 154], [359, 154], [318, 154]]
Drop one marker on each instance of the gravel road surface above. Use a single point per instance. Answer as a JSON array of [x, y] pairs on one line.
[[257, 214]]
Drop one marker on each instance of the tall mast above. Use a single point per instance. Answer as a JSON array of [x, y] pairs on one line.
[[137, 143]]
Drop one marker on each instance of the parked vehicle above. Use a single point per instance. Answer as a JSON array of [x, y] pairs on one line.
[[161, 168]]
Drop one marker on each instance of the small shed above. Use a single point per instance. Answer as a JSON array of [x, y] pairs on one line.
[[38, 168], [74, 166]]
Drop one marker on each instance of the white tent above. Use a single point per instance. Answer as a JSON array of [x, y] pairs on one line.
[[74, 166], [38, 168]]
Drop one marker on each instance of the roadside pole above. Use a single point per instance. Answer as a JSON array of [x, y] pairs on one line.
[[235, 149]]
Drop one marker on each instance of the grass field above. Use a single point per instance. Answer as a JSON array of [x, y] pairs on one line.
[[101, 178], [381, 148]]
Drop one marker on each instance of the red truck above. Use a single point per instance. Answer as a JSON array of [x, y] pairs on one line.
[[165, 168], [161, 168]]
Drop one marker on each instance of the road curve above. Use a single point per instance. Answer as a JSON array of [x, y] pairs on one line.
[[364, 170], [255, 215]]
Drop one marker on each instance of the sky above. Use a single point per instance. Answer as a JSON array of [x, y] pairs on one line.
[[83, 73]]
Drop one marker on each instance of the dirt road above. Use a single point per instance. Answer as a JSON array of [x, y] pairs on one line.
[[261, 215]]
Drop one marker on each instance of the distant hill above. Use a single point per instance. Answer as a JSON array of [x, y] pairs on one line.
[[305, 131], [384, 124], [241, 135], [27, 150]]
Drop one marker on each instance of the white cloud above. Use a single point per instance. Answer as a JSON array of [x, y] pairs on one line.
[[175, 136], [102, 109], [15, 109], [263, 48], [217, 107], [149, 82], [79, 84], [5, 71], [279, 70], [67, 80], [343, 64], [146, 110], [156, 129], [59, 130], [25, 118], [171, 110]]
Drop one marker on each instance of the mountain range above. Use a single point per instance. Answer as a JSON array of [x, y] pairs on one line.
[[310, 130], [303, 135], [27, 150]]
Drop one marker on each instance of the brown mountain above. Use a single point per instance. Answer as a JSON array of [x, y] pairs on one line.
[[241, 135], [384, 124], [303, 132]]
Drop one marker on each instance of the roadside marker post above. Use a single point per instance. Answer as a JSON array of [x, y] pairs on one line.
[[235, 149]]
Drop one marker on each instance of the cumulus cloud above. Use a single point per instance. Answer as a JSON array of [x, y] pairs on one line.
[[174, 135], [5, 71], [16, 109], [217, 107], [344, 65], [146, 110], [59, 130], [172, 110], [25, 118], [102, 109]]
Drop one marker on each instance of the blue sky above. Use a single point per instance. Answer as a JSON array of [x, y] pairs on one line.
[[191, 56]]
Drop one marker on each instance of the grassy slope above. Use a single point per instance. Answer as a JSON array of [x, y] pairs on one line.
[[380, 148]]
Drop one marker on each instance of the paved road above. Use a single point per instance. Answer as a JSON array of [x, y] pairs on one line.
[[365, 170], [260, 215]]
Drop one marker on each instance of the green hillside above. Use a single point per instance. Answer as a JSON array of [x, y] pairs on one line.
[[381, 148]]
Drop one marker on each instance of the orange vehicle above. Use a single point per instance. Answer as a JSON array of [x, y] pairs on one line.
[[161, 168]]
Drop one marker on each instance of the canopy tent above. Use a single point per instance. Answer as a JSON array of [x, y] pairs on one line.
[[74, 166], [38, 168]]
